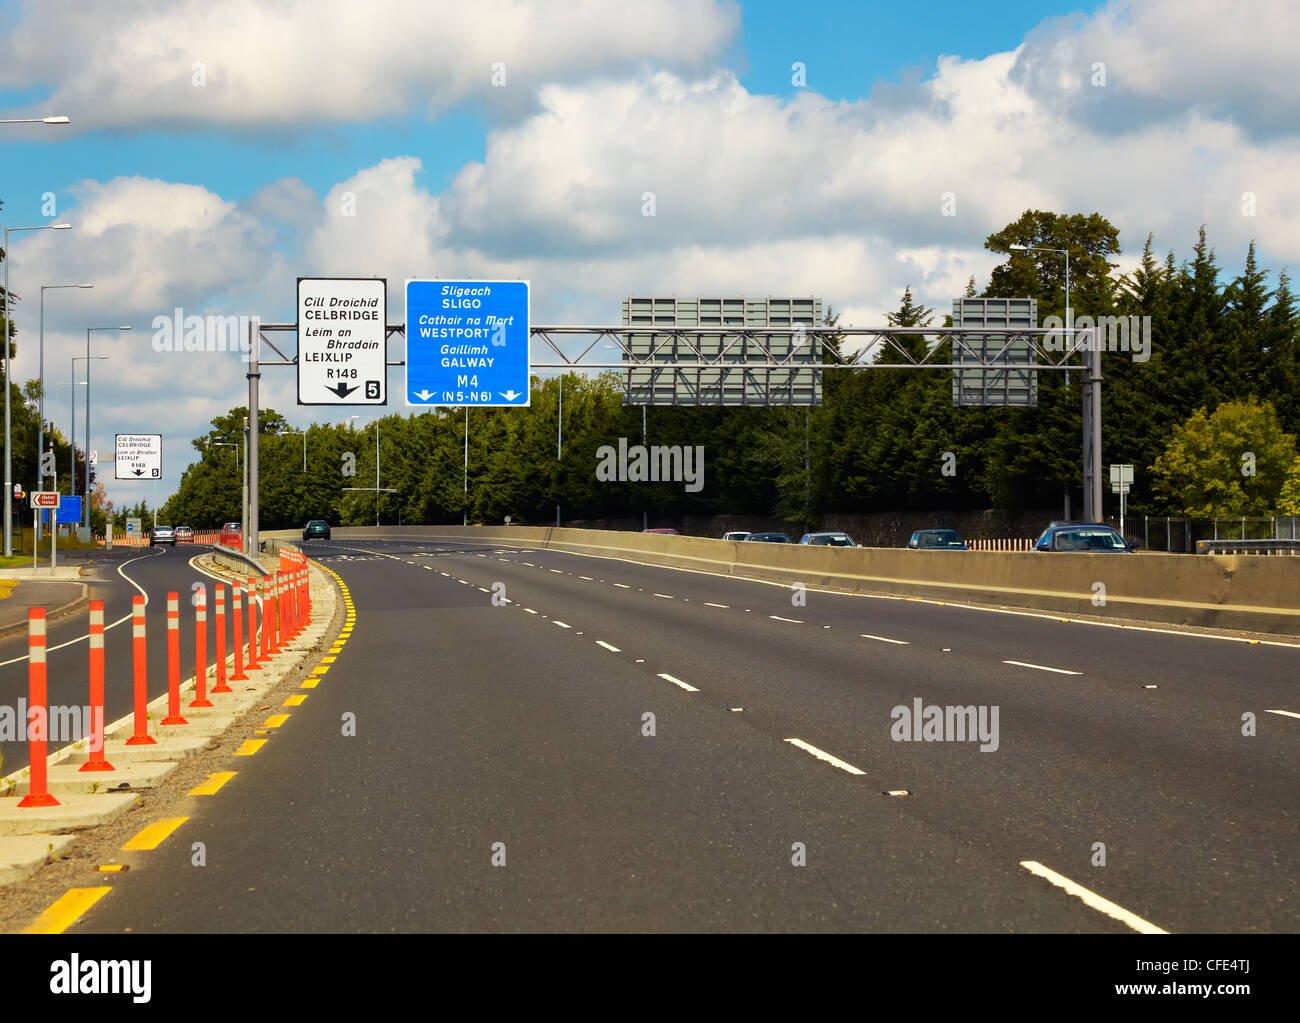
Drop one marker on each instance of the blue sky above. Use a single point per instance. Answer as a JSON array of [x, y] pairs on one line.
[[216, 198]]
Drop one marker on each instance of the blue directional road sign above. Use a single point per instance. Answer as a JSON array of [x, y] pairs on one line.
[[467, 343]]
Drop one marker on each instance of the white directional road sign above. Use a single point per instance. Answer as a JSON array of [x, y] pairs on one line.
[[138, 456], [342, 341], [45, 499], [1120, 473], [467, 343]]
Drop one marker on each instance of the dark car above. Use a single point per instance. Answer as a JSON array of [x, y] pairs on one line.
[[937, 540], [1084, 537], [827, 540], [162, 535], [669, 532], [316, 529], [768, 538]]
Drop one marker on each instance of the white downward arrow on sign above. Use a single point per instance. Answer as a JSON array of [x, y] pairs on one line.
[[423, 395], [511, 395]]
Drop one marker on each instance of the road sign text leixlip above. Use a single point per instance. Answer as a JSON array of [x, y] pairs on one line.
[[342, 341], [137, 456]]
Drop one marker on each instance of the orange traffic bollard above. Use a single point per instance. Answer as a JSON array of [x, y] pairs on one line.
[[272, 614], [96, 761], [237, 633], [219, 624], [141, 736], [266, 618], [174, 661], [251, 590], [38, 713], [201, 650]]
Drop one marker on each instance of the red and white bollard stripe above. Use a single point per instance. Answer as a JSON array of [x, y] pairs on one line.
[[96, 762], [201, 649], [174, 661], [219, 624], [237, 633], [38, 712], [251, 591], [141, 736]]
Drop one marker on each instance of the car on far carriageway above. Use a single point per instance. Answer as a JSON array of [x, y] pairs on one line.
[[1084, 537], [162, 535], [670, 532], [937, 540], [827, 540], [232, 535], [184, 534], [768, 538], [736, 534], [316, 529]]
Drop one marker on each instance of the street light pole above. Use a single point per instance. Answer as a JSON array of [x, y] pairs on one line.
[[40, 398], [9, 314], [85, 512]]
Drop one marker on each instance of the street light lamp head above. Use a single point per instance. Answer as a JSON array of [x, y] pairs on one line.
[[1019, 248], [55, 120], [60, 227], [124, 328]]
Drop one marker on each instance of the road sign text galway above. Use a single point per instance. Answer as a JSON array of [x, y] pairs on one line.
[[467, 343], [342, 341], [138, 456]]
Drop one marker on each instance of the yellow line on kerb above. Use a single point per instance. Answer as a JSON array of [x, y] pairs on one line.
[[250, 747], [152, 836], [213, 784], [66, 909], [275, 720], [295, 701]]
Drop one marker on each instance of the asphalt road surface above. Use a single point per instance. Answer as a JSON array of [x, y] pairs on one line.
[[759, 802]]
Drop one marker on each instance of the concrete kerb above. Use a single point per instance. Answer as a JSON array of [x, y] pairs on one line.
[[91, 799]]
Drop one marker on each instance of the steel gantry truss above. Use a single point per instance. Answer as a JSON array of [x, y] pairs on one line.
[[816, 350]]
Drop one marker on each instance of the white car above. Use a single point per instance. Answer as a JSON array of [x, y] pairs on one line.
[[736, 534]]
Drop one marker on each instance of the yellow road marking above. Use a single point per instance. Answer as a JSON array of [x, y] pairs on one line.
[[111, 868], [310, 683], [213, 784], [328, 660], [152, 836], [275, 720], [66, 909], [295, 701], [250, 747]]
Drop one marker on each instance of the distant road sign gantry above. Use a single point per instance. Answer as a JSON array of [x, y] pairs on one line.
[[342, 341], [467, 343], [138, 456]]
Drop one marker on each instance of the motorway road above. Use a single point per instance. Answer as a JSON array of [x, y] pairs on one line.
[[113, 576], [524, 724]]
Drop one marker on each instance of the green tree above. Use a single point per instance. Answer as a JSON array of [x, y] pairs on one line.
[[1231, 462]]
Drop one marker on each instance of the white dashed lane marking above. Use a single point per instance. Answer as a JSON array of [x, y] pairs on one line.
[[1286, 713], [778, 618], [623, 586], [608, 646], [1091, 899], [678, 682], [821, 754], [561, 624], [885, 639], [1043, 667], [709, 604]]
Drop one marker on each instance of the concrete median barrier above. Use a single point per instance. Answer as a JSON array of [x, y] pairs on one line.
[[1242, 592]]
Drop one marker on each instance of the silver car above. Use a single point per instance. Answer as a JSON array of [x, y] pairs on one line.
[[828, 540]]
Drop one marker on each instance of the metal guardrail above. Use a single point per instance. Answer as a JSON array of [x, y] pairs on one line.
[[1248, 546]]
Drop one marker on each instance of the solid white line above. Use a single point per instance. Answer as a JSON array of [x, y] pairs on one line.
[[611, 648], [710, 604], [1288, 713], [623, 586], [666, 596], [823, 755], [561, 624], [885, 639], [1092, 899], [678, 682], [793, 621], [1043, 667]]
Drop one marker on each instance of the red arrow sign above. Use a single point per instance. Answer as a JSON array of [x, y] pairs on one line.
[[45, 500]]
